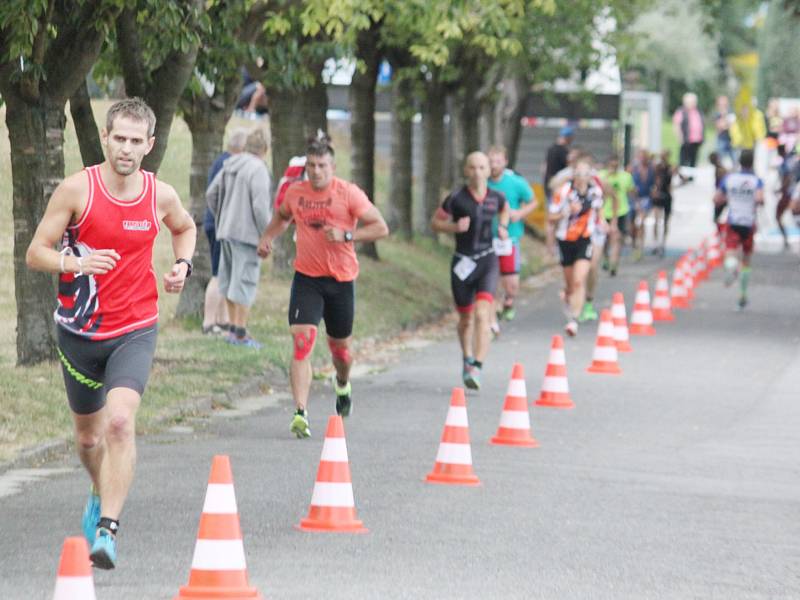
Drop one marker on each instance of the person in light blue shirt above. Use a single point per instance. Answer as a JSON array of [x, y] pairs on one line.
[[521, 203]]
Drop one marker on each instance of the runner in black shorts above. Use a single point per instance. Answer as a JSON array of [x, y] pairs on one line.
[[468, 213], [330, 215]]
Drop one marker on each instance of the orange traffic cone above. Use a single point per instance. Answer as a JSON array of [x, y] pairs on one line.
[[688, 277], [454, 458], [218, 564], [714, 252], [642, 318], [679, 295], [662, 306], [515, 421], [620, 320], [555, 387], [702, 265], [332, 505], [604, 359], [74, 580]]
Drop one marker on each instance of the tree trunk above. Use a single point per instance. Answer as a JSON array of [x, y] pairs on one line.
[[316, 106], [402, 166], [469, 111], [36, 133], [362, 120], [453, 136], [207, 126], [286, 118], [433, 138], [80, 107], [512, 109]]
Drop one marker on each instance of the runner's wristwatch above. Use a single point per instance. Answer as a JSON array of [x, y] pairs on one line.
[[348, 236], [188, 264]]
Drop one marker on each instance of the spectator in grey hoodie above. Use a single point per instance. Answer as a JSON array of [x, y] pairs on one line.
[[239, 198]]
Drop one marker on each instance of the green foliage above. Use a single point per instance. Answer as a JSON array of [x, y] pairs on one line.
[[779, 52], [162, 27]]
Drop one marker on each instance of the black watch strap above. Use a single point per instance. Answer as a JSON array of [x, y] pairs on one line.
[[188, 264], [348, 236]]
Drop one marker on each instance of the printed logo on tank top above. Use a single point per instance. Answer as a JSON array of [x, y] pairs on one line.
[[143, 225], [313, 213]]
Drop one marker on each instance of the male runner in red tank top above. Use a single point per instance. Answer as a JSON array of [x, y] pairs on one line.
[[105, 219]]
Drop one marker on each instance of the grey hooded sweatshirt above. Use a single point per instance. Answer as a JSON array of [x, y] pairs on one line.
[[239, 198]]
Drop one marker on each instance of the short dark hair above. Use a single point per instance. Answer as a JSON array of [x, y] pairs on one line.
[[746, 159], [320, 145], [133, 108]]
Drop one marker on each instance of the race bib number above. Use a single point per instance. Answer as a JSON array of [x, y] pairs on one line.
[[503, 247], [464, 267]]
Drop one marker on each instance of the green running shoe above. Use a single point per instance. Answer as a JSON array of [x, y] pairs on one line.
[[299, 425], [344, 403], [588, 313], [472, 377], [509, 313], [91, 516], [104, 550]]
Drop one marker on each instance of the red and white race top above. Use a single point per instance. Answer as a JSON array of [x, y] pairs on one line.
[[126, 298]]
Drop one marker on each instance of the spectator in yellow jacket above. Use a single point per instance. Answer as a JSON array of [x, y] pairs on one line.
[[748, 129]]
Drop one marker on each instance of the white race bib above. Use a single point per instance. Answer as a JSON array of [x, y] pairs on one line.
[[503, 247], [464, 267]]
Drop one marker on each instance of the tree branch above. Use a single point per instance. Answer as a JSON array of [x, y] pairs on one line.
[[85, 126], [130, 54]]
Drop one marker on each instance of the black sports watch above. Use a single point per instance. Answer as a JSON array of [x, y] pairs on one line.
[[348, 236], [188, 264]]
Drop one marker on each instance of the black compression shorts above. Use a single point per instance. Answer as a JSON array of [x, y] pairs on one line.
[[480, 284], [580, 249], [91, 368], [316, 298]]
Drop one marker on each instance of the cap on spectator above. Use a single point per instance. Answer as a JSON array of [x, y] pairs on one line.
[[566, 131]]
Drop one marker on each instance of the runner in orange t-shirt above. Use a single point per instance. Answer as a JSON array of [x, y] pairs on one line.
[[326, 210]]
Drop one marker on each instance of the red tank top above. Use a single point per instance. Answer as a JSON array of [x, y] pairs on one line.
[[126, 298]]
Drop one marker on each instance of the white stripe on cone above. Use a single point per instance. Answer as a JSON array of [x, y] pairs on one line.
[[557, 357], [74, 588], [606, 329], [605, 354], [328, 493], [515, 419], [642, 317], [557, 385], [457, 416], [220, 499], [454, 454], [219, 555], [334, 450], [516, 388]]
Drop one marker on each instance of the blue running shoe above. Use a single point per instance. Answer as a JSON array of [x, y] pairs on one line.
[[104, 550], [91, 516]]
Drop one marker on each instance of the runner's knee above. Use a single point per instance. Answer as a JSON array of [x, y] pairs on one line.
[[304, 344], [120, 427], [87, 440], [340, 352]]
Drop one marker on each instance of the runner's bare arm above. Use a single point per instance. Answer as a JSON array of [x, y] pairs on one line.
[[503, 219], [372, 226], [183, 230], [719, 198], [279, 223], [65, 206]]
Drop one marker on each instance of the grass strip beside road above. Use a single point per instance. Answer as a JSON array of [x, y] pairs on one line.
[[409, 286]]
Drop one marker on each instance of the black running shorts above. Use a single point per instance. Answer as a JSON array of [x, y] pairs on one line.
[[580, 249], [480, 284], [316, 298], [91, 368]]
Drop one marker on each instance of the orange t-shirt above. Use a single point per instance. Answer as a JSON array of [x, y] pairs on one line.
[[339, 205]]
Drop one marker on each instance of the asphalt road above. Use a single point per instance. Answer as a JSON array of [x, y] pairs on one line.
[[678, 479]]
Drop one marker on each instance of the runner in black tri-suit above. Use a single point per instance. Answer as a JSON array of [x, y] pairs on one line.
[[468, 213]]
